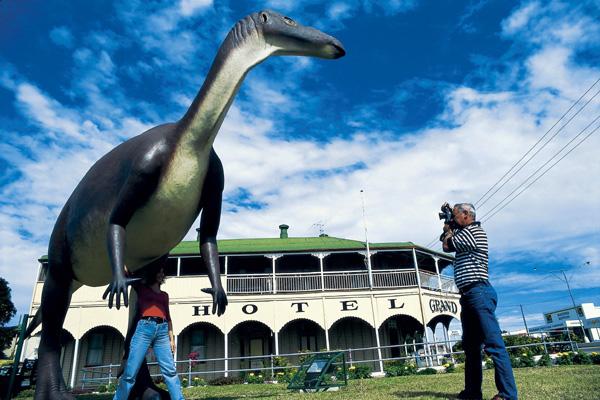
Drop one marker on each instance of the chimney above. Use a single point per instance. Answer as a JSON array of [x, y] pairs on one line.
[[283, 231]]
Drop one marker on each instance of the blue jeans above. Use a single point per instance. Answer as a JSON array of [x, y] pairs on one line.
[[149, 333], [480, 327]]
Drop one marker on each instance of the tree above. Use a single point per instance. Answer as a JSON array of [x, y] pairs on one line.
[[7, 311]]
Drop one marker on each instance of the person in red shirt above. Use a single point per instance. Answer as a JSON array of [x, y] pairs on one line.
[[154, 328]]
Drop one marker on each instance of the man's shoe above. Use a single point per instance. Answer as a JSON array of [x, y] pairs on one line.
[[466, 396], [498, 397]]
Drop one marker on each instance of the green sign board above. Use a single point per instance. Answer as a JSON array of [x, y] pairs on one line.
[[321, 372]]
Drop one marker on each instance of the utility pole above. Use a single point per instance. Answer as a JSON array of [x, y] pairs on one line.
[[525, 322], [370, 271], [585, 338], [566, 280]]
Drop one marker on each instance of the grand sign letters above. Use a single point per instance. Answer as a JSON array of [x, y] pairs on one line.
[[443, 306]]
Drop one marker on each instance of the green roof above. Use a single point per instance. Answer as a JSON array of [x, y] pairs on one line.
[[289, 245], [286, 245]]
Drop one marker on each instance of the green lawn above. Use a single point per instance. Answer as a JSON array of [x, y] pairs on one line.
[[560, 383]]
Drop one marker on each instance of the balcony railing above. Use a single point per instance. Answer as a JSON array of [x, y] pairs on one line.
[[338, 280]]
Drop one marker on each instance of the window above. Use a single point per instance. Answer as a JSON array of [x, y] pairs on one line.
[[171, 266], [308, 342], [95, 349], [198, 343], [548, 318]]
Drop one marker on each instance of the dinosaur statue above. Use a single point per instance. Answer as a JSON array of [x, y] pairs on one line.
[[140, 199]]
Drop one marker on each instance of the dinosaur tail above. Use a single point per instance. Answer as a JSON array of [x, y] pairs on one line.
[[37, 318], [34, 323]]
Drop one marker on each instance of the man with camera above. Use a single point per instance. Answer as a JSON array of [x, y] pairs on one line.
[[464, 236]]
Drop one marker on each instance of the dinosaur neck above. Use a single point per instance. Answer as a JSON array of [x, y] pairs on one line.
[[200, 124]]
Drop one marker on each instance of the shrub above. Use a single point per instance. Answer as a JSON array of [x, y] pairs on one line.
[[517, 340], [449, 368], [399, 368], [544, 361], [582, 358], [360, 371], [184, 382], [565, 358], [226, 380], [197, 381], [595, 358], [489, 364], [526, 360], [427, 371], [303, 357], [102, 389], [111, 387], [514, 361], [27, 393], [253, 377]]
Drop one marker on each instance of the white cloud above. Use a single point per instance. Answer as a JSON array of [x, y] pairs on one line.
[[301, 182], [191, 7], [520, 18], [62, 36]]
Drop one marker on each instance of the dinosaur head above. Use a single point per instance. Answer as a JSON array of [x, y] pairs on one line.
[[284, 36]]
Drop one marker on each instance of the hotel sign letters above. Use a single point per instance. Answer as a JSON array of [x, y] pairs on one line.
[[345, 305], [441, 306]]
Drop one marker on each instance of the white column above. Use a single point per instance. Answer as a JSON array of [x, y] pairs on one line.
[[321, 257], [437, 271], [416, 264], [74, 365], [327, 339], [274, 258], [226, 265], [178, 266], [226, 356], [378, 349], [276, 343]]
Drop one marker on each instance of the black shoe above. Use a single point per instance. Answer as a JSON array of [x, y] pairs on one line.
[[467, 396], [498, 397]]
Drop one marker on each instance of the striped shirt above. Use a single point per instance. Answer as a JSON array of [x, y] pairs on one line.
[[471, 260]]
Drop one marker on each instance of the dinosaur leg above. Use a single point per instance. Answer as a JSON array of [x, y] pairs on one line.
[[56, 297]]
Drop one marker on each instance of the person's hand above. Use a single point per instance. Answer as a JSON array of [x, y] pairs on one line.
[[172, 345], [447, 228], [219, 299]]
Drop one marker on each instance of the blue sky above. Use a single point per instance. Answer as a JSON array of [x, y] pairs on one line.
[[434, 101]]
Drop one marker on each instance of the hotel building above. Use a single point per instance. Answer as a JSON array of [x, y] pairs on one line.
[[286, 295]]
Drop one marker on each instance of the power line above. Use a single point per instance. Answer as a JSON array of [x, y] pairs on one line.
[[487, 217], [536, 143], [540, 149], [434, 241]]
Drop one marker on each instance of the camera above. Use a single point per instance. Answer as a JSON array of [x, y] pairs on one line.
[[446, 214]]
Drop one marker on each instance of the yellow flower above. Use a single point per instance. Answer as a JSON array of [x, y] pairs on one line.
[[352, 368], [446, 365], [251, 373], [524, 354]]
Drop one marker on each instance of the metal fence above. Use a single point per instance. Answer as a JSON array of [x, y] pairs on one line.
[[338, 280], [424, 354]]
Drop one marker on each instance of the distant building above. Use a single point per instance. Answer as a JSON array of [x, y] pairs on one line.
[[286, 294], [571, 319]]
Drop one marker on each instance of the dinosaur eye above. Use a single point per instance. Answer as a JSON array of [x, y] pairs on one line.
[[263, 17], [289, 21]]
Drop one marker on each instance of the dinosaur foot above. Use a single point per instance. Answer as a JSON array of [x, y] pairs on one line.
[[50, 384]]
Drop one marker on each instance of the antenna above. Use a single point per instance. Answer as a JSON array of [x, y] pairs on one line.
[[320, 225], [362, 197]]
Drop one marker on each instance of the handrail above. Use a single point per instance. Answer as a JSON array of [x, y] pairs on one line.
[[429, 358]]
